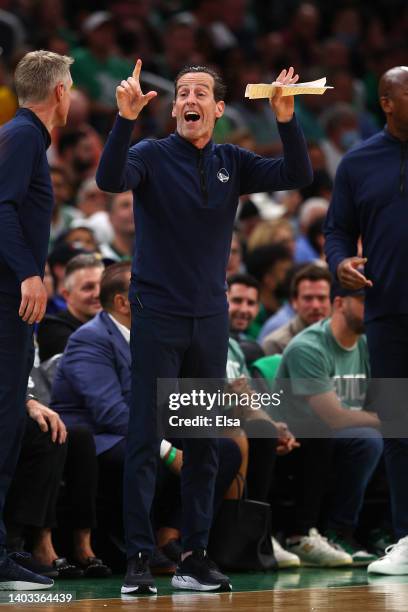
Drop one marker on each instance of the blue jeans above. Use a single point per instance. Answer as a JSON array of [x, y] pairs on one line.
[[16, 359], [356, 454]]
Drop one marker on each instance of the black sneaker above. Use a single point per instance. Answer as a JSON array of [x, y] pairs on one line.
[[138, 579], [173, 550], [160, 564], [198, 573], [28, 562], [13, 577]]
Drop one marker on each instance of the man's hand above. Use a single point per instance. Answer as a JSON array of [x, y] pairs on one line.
[[129, 96], [47, 419], [33, 300], [284, 106], [349, 276], [286, 440]]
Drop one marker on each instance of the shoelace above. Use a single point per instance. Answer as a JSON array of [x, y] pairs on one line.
[[394, 547]]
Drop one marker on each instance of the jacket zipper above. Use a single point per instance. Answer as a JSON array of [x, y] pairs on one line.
[[404, 149], [201, 172]]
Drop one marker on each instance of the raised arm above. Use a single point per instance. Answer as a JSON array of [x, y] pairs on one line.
[[118, 170], [294, 169]]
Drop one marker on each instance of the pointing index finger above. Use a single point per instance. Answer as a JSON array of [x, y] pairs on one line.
[[137, 69]]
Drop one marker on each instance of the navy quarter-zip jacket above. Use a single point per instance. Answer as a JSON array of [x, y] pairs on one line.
[[26, 200], [185, 204], [370, 198]]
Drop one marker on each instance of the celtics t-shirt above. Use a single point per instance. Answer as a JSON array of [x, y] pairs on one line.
[[314, 363]]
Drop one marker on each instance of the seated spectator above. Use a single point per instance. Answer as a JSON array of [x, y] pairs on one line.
[[60, 255], [120, 210], [266, 440], [92, 389], [243, 306], [324, 371], [41, 468], [31, 500], [310, 300], [275, 231], [81, 292], [99, 68], [312, 213], [234, 264], [79, 236], [93, 203], [269, 265], [342, 132], [76, 154], [62, 213]]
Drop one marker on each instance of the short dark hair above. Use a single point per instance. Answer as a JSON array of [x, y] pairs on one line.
[[260, 260], [243, 279], [114, 281], [310, 272], [220, 88]]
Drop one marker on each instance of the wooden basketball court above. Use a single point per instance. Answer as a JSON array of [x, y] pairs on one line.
[[306, 590]]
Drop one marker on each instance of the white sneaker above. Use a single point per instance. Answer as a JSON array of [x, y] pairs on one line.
[[315, 551], [283, 557], [395, 561]]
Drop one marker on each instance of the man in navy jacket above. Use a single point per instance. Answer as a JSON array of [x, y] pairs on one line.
[[43, 84], [186, 192], [370, 199]]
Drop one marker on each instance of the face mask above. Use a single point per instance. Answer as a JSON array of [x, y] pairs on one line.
[[348, 139]]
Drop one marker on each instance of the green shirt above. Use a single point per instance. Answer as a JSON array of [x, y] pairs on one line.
[[315, 363], [99, 78], [236, 365]]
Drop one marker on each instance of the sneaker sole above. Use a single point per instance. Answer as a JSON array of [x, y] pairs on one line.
[[288, 564], [22, 585], [192, 584], [142, 589], [389, 572]]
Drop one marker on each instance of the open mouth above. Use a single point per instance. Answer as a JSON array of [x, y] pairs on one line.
[[191, 116]]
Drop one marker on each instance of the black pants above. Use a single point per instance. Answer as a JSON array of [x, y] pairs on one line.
[[388, 347], [261, 458], [81, 480], [167, 508], [32, 497], [16, 358], [312, 463], [170, 347]]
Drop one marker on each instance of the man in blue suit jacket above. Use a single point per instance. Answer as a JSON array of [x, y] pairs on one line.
[[92, 388]]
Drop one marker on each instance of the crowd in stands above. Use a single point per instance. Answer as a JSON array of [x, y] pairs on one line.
[[288, 318]]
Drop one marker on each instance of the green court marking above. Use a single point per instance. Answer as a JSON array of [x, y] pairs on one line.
[[305, 578]]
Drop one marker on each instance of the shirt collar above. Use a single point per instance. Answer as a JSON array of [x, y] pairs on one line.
[[122, 328], [189, 147], [26, 112]]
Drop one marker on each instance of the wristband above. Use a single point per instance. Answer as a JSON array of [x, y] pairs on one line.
[[165, 446], [171, 457]]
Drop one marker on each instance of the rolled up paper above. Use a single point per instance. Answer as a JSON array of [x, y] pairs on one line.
[[262, 90]]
